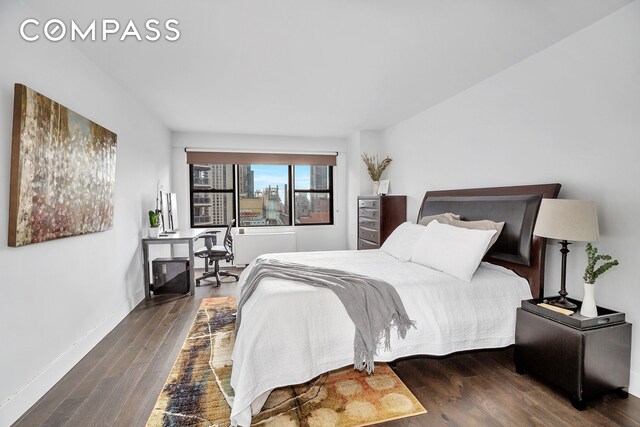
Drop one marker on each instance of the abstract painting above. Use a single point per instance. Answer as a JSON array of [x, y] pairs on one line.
[[63, 169]]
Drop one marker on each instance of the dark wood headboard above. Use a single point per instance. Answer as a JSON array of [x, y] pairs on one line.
[[517, 248]]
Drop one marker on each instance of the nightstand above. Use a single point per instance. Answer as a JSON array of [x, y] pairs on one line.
[[581, 356]]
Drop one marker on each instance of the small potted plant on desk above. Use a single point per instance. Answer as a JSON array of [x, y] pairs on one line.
[[154, 224], [591, 273]]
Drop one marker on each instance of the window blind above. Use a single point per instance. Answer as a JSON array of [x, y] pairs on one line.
[[212, 157]]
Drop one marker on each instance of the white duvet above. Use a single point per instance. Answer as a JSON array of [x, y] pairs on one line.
[[292, 332]]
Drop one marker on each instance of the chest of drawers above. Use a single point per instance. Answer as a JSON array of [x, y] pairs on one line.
[[378, 216]]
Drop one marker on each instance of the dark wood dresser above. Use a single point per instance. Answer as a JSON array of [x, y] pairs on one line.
[[378, 216]]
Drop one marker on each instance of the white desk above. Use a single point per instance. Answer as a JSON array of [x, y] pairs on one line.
[[187, 237]]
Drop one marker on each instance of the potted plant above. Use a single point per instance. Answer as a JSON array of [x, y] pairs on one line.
[[154, 224], [591, 273], [375, 167]]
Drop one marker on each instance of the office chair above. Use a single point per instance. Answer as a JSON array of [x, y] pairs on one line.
[[213, 254]]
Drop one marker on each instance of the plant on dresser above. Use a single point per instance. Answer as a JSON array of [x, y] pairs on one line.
[[375, 167]]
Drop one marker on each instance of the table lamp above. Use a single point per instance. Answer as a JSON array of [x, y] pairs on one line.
[[564, 220]]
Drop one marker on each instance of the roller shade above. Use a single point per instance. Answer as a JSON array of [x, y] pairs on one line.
[[212, 157]]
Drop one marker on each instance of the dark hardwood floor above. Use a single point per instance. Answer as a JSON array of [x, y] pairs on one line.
[[118, 382]]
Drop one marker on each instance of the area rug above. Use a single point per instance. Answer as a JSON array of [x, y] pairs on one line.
[[197, 390]]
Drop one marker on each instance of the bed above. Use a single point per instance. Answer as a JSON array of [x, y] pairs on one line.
[[292, 332]]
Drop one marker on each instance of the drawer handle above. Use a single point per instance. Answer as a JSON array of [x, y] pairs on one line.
[[603, 321]]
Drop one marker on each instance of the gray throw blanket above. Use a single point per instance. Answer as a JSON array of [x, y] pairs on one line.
[[373, 305]]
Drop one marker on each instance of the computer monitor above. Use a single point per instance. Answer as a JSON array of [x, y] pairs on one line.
[[169, 208]]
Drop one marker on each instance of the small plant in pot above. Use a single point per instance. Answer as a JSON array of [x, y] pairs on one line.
[[154, 224], [375, 167], [591, 273]]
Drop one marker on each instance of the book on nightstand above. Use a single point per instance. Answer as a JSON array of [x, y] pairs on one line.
[[554, 308]]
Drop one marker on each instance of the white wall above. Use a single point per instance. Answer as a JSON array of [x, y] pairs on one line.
[[354, 151], [569, 114], [309, 238], [60, 298]]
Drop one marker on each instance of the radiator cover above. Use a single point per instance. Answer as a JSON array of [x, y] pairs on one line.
[[248, 246]]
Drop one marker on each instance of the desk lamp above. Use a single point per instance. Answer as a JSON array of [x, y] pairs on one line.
[[565, 220]]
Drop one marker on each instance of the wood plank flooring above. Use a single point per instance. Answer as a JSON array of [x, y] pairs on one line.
[[118, 382]]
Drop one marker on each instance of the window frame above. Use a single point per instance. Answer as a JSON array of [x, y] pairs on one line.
[[292, 191], [329, 191], [192, 190]]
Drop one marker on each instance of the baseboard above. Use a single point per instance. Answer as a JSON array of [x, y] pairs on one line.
[[634, 383], [19, 403]]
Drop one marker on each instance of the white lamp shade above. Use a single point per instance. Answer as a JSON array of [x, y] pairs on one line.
[[563, 219]]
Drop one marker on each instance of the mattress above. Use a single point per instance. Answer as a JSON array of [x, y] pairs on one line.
[[292, 332]]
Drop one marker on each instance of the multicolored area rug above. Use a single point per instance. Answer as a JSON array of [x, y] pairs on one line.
[[197, 390]]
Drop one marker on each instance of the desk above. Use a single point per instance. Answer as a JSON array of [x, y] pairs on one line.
[[187, 237]]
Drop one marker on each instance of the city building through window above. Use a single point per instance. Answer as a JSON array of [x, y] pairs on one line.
[[261, 195], [313, 201], [264, 195], [212, 195]]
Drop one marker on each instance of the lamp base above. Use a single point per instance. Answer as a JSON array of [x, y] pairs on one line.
[[562, 302]]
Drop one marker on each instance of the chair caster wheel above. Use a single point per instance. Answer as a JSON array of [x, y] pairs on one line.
[[579, 404], [197, 282]]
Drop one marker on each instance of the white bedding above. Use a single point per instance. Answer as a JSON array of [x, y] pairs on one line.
[[292, 332]]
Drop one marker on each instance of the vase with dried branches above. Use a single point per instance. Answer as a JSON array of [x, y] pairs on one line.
[[591, 273], [375, 167]]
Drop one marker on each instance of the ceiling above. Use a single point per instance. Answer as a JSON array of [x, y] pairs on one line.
[[317, 67]]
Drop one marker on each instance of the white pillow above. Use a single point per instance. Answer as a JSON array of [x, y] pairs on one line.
[[452, 250], [402, 241]]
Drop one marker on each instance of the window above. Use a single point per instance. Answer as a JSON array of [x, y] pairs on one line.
[[313, 190], [260, 195], [263, 193], [212, 190]]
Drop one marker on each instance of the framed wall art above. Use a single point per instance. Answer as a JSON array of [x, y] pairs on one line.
[[63, 170]]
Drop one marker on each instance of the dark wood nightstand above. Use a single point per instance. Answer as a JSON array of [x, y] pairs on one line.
[[583, 361]]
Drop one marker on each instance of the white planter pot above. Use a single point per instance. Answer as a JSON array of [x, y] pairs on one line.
[[154, 232], [588, 308], [374, 188]]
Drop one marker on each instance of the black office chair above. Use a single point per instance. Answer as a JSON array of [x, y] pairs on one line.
[[213, 254]]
